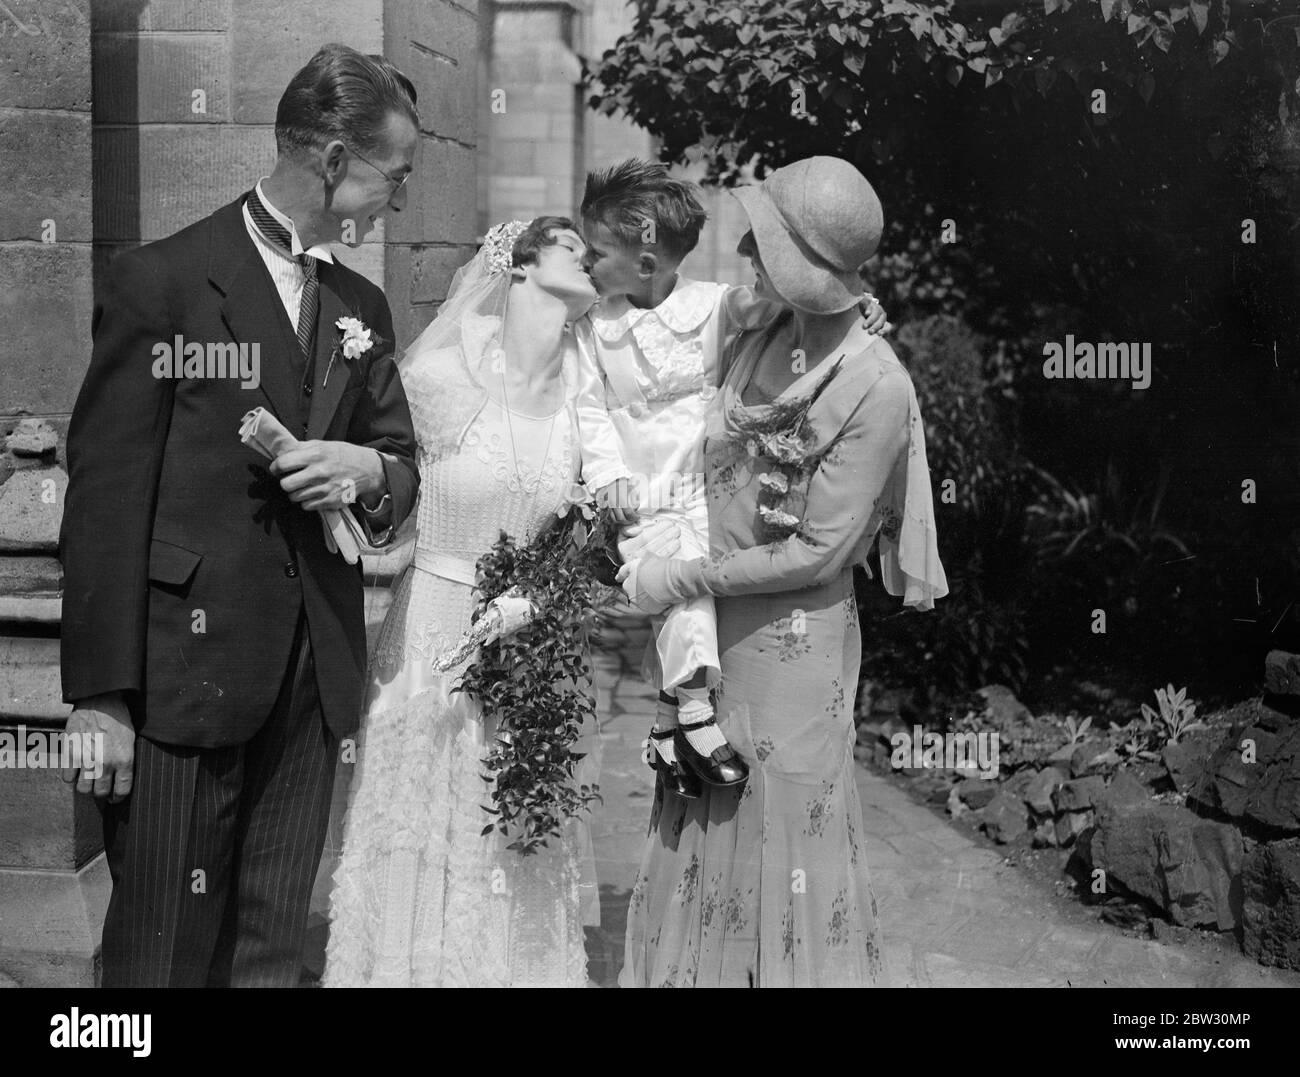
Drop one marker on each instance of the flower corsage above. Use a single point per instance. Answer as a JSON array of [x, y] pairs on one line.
[[355, 339], [781, 436]]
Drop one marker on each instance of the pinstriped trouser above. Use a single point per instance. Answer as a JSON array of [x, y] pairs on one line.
[[214, 854]]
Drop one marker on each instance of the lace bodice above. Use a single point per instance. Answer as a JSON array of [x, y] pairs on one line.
[[468, 497]]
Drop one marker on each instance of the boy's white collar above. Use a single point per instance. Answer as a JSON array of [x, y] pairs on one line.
[[684, 310]]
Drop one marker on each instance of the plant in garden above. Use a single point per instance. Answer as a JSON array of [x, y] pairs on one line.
[[1134, 740], [1075, 729], [1177, 715]]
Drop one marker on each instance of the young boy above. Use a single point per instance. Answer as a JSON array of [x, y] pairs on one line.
[[651, 350]]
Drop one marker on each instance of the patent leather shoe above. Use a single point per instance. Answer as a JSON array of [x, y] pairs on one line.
[[722, 766], [677, 778]]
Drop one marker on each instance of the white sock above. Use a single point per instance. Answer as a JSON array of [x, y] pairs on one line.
[[693, 707], [665, 718]]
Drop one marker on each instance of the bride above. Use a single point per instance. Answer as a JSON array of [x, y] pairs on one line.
[[421, 896]]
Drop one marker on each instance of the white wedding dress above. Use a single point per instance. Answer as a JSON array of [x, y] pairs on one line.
[[421, 897]]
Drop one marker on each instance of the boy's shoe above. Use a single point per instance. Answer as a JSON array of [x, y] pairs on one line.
[[680, 780], [723, 766]]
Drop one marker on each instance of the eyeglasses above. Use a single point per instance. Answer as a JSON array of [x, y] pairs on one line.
[[399, 183]]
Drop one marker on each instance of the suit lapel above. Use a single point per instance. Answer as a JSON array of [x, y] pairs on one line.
[[252, 309], [329, 381]]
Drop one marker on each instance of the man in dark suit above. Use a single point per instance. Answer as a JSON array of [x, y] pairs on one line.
[[209, 634]]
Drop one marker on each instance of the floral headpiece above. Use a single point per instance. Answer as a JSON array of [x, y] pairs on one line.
[[500, 244]]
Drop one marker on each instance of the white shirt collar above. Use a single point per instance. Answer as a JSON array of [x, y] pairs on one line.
[[320, 250], [683, 310]]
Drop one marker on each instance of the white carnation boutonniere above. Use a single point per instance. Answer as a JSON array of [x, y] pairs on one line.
[[355, 339]]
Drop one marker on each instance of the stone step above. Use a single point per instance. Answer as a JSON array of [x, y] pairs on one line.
[[51, 923], [31, 689], [31, 609], [30, 590], [31, 509]]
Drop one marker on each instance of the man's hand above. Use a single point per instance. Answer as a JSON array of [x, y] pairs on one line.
[[103, 721], [873, 316], [330, 474], [617, 497]]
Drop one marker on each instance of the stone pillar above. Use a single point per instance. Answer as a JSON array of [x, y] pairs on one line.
[[532, 115], [436, 42], [53, 885]]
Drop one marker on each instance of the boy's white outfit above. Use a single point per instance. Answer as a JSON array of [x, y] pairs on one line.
[[649, 377]]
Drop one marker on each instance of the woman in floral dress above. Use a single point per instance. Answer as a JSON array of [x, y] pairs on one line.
[[816, 446]]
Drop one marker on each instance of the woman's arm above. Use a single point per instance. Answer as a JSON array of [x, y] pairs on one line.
[[841, 499]]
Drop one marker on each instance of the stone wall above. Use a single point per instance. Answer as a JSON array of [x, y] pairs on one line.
[[436, 42], [531, 117], [45, 216]]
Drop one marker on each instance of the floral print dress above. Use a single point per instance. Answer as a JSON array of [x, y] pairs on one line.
[[767, 886]]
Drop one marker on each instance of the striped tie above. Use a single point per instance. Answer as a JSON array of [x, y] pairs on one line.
[[278, 236]]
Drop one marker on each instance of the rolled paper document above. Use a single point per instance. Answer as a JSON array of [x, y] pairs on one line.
[[262, 431]]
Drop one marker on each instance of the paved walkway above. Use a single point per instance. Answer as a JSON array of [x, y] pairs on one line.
[[953, 913]]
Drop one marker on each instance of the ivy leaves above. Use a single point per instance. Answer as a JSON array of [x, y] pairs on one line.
[[535, 686]]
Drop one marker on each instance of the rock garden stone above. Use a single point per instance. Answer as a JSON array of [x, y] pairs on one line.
[[1079, 794], [1188, 866], [1123, 789], [1188, 761], [1070, 824], [1020, 781], [1005, 817], [1044, 834], [976, 794], [1263, 789], [1271, 903], [1091, 756], [956, 806], [1282, 673], [1039, 794]]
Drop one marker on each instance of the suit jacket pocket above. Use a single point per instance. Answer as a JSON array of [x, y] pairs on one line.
[[171, 564]]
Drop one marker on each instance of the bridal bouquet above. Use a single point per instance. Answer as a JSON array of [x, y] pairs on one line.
[[535, 685]]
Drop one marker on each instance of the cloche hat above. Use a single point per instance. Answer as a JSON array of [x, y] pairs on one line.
[[815, 222]]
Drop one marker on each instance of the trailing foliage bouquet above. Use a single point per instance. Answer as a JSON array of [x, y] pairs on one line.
[[535, 684]]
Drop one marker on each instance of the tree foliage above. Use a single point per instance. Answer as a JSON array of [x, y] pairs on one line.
[[1118, 170]]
